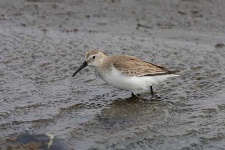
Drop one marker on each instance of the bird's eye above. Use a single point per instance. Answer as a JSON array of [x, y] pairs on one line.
[[93, 57]]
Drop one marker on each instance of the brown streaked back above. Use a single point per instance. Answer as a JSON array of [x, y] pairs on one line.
[[132, 66]]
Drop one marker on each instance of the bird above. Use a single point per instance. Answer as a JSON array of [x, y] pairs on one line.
[[126, 72]]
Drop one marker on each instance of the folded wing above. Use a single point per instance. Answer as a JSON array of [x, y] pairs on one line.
[[133, 66]]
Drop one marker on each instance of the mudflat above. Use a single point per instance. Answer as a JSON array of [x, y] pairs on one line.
[[42, 42]]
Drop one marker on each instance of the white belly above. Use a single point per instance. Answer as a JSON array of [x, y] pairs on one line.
[[116, 79]]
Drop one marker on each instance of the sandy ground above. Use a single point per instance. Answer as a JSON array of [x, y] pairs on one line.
[[42, 42]]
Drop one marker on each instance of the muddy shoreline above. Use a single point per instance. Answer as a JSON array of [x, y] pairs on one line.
[[43, 42]]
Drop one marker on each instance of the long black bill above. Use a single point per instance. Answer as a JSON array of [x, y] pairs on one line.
[[80, 68]]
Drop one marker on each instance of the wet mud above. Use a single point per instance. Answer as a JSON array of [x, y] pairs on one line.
[[43, 42]]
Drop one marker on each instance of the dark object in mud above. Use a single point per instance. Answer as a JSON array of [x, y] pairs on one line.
[[33, 142], [70, 30], [23, 24], [219, 45], [181, 12], [44, 30], [143, 26]]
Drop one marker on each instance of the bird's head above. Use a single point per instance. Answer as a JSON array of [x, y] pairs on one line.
[[93, 58]]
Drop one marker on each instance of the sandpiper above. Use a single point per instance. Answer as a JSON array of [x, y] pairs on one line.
[[126, 72]]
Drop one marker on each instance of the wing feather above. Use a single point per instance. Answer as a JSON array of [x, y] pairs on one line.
[[132, 66]]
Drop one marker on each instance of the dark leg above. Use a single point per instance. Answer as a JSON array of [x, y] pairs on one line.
[[153, 95], [151, 89], [133, 95]]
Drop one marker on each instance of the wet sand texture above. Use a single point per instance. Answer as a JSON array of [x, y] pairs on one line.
[[42, 42]]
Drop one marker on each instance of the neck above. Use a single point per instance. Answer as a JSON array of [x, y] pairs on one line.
[[104, 65]]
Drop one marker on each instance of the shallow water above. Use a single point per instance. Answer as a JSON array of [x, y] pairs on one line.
[[38, 94]]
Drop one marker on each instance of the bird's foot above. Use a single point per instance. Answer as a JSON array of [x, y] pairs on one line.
[[155, 97], [134, 95]]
